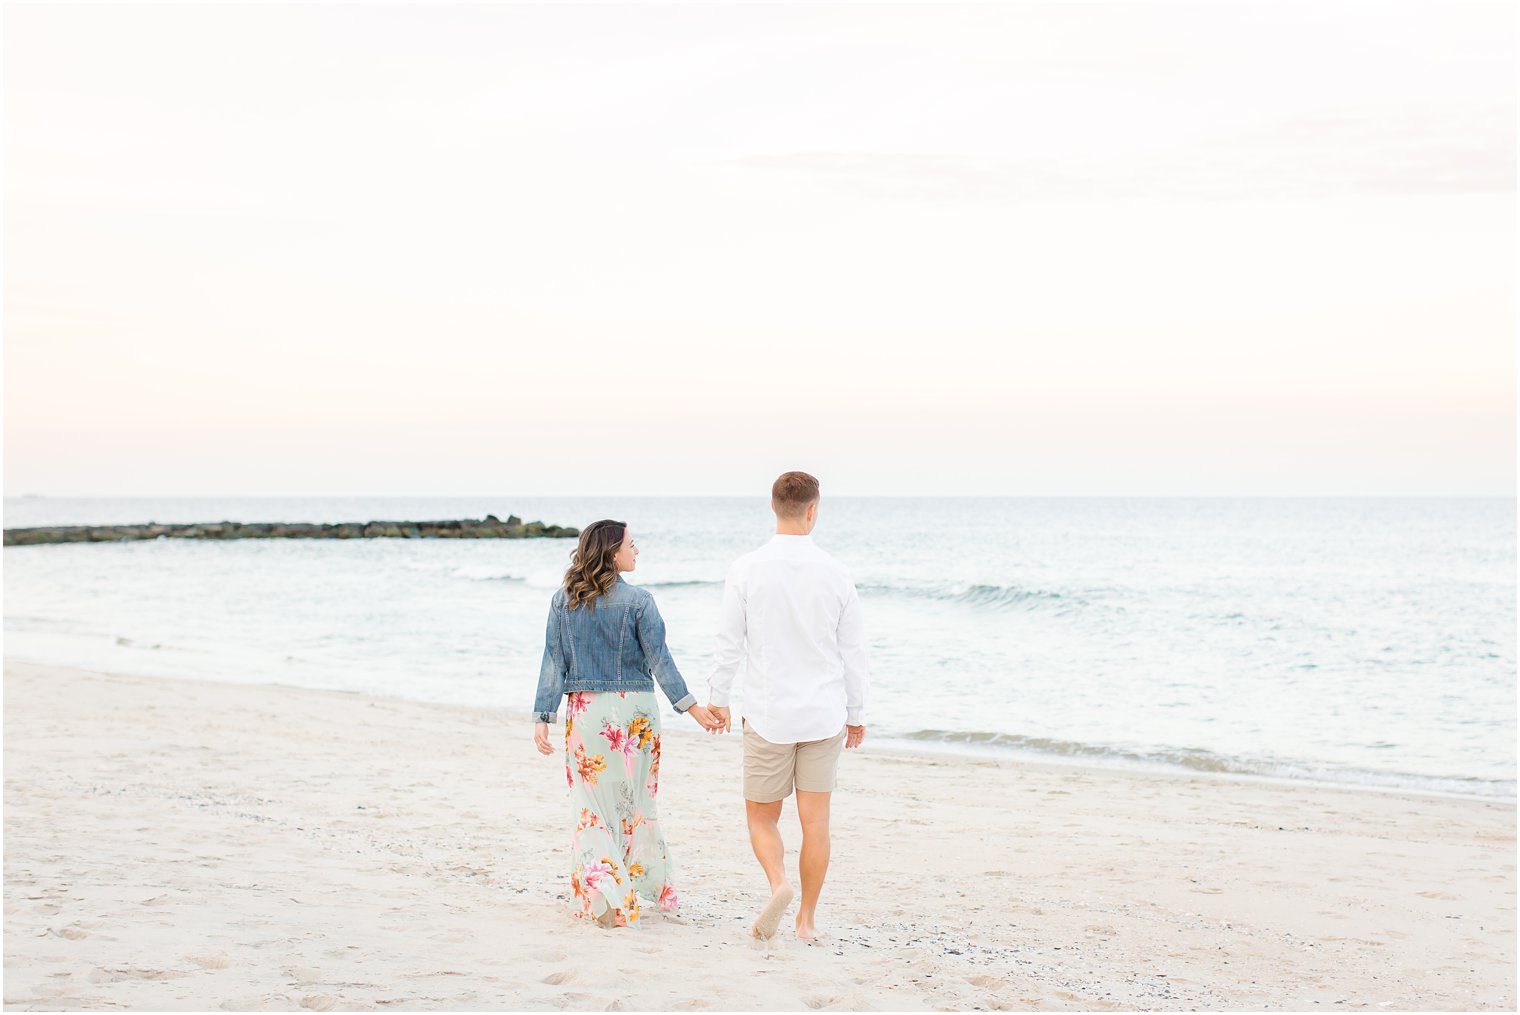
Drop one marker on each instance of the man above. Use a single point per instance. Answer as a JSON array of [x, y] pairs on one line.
[[791, 613]]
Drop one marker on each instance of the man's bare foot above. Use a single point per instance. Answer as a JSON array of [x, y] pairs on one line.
[[770, 917], [805, 929]]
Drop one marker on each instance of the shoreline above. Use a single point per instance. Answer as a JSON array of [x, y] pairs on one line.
[[895, 746], [175, 842]]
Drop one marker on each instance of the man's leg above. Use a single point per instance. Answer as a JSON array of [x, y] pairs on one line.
[[768, 777], [765, 838], [813, 812]]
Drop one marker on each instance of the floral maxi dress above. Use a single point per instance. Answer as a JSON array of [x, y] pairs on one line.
[[612, 762]]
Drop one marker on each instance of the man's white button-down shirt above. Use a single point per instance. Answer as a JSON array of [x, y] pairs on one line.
[[792, 616]]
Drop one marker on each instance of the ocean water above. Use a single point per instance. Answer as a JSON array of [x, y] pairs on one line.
[[1355, 641]]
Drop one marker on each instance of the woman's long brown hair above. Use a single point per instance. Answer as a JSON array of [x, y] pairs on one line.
[[592, 570]]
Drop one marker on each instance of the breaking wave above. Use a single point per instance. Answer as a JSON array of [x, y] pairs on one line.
[[1200, 760]]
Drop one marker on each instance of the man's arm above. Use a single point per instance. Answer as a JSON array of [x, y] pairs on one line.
[[852, 649], [730, 648]]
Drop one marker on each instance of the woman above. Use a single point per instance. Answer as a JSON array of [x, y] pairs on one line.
[[605, 639]]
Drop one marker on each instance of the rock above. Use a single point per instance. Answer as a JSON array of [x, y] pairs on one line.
[[490, 527]]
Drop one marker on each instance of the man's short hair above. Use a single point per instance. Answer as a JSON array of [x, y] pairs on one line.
[[792, 492]]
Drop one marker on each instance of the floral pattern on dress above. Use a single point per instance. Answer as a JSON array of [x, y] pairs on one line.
[[652, 786], [618, 853], [640, 731], [588, 765]]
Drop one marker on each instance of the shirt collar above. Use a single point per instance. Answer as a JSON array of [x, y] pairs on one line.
[[780, 537]]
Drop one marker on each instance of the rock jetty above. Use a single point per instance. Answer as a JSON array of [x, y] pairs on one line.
[[490, 527]]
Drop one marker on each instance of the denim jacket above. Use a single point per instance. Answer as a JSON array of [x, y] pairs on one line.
[[613, 643]]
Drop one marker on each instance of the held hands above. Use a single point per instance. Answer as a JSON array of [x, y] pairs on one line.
[[712, 718], [853, 735], [703, 714]]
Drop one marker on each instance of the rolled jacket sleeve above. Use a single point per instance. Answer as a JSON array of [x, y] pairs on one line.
[[852, 648], [662, 666]]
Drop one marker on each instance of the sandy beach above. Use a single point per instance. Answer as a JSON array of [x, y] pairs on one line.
[[174, 844]]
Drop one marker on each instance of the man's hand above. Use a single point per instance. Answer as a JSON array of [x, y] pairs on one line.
[[541, 738], [704, 717], [725, 723], [853, 735]]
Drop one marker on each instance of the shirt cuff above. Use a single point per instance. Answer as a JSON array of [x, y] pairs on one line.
[[685, 703], [714, 698], [549, 717], [854, 717]]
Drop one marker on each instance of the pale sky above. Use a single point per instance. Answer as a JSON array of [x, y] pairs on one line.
[[1021, 249]]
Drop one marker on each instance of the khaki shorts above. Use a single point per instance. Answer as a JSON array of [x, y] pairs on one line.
[[771, 770]]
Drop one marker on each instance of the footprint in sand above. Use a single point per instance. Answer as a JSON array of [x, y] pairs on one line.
[[452, 936], [559, 976], [986, 982], [102, 975], [158, 974], [318, 1002], [215, 960]]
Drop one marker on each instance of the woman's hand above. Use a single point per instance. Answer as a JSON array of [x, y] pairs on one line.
[[704, 717], [541, 738]]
